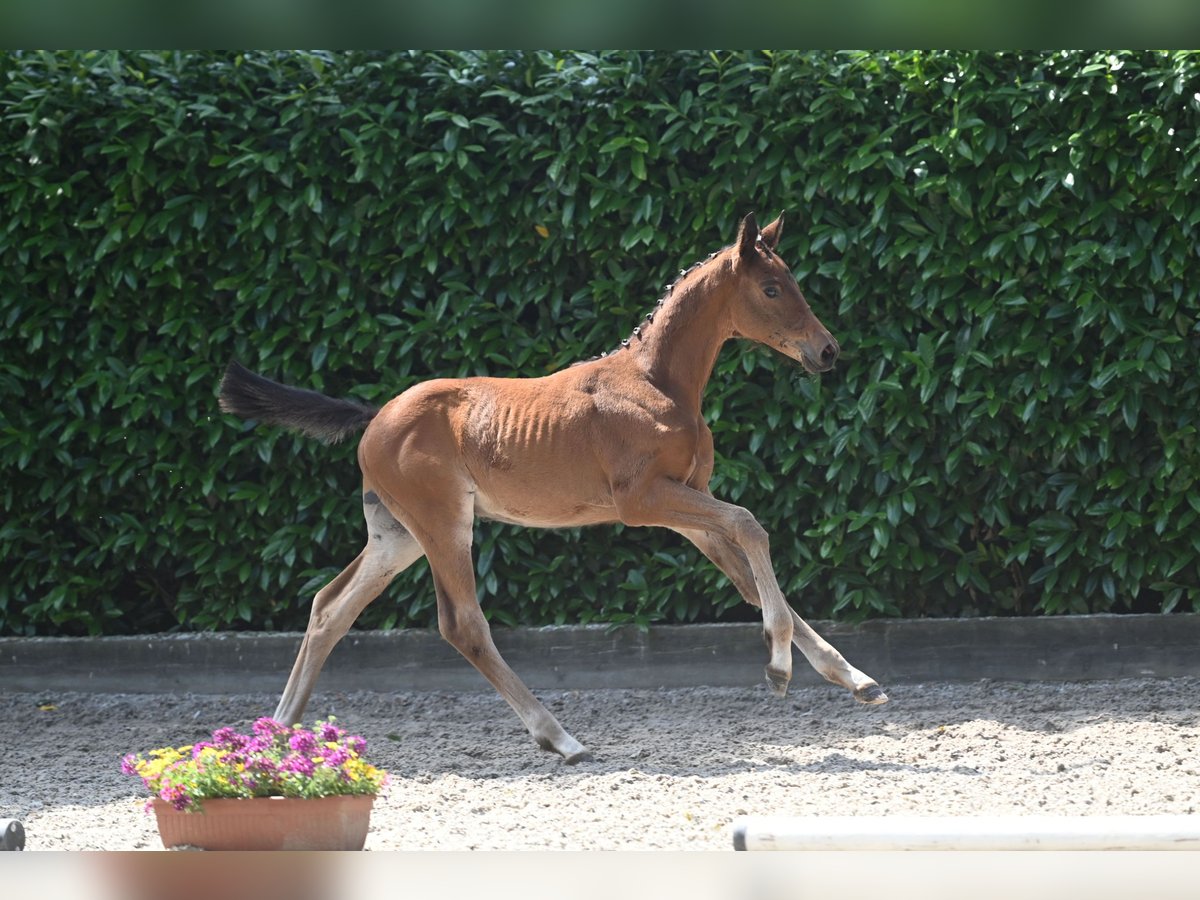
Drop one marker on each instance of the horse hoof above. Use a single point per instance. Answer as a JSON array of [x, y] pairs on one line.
[[578, 757], [778, 682], [871, 695], [566, 746]]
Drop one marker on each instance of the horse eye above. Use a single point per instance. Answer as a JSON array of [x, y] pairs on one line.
[[771, 290]]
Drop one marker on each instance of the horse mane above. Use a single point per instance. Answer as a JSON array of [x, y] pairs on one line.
[[648, 319]]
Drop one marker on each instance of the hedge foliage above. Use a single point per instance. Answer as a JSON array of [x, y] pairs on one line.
[[1004, 244]]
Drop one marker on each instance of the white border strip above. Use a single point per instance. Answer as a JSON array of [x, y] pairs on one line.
[[967, 833]]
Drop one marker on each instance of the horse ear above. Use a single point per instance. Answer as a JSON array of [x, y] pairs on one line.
[[773, 232], [747, 235]]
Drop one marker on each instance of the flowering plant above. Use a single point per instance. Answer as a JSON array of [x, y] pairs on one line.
[[273, 761]]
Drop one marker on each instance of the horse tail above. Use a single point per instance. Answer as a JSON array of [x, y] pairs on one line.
[[252, 396]]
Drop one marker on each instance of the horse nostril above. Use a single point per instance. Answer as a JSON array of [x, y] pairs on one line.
[[829, 354]]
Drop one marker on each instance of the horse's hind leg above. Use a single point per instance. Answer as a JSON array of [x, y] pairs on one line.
[[390, 549], [821, 655], [462, 623]]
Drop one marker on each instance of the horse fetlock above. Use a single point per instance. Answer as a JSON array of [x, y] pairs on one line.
[[779, 669]]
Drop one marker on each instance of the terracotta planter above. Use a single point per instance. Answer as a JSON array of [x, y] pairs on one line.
[[268, 823]]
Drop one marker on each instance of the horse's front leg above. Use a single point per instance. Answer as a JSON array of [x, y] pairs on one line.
[[672, 504], [821, 655]]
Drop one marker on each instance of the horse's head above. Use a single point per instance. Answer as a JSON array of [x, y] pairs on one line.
[[768, 306]]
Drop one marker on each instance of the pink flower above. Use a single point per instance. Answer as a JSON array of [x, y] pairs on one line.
[[301, 765], [258, 745], [335, 758], [303, 742], [267, 727], [176, 796], [228, 739]]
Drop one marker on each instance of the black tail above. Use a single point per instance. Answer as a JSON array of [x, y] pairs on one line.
[[251, 396]]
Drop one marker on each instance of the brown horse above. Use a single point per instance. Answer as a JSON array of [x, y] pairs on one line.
[[619, 438]]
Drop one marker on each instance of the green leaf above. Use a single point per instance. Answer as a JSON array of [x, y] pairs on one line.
[[110, 239]]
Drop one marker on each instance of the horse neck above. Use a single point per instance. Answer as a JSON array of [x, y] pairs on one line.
[[679, 348]]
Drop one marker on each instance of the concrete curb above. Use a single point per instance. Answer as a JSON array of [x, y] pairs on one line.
[[1068, 648]]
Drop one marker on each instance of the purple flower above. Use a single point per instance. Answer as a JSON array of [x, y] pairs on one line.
[[176, 796], [267, 727], [228, 739], [336, 758], [301, 765], [258, 745], [232, 759], [303, 742], [274, 759]]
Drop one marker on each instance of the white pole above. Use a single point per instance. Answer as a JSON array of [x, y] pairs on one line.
[[967, 833]]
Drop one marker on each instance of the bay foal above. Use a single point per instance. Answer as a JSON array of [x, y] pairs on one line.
[[619, 438]]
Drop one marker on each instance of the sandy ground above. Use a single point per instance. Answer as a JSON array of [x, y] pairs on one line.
[[672, 768]]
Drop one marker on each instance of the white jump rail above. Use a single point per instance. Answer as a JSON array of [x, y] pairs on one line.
[[967, 833]]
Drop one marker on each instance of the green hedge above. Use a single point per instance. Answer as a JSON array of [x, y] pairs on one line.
[[1005, 246]]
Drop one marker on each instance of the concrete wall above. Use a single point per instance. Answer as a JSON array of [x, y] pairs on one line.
[[1071, 648]]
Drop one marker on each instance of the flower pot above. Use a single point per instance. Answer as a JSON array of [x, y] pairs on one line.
[[268, 823]]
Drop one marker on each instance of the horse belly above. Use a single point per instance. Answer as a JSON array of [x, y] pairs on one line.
[[542, 507]]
